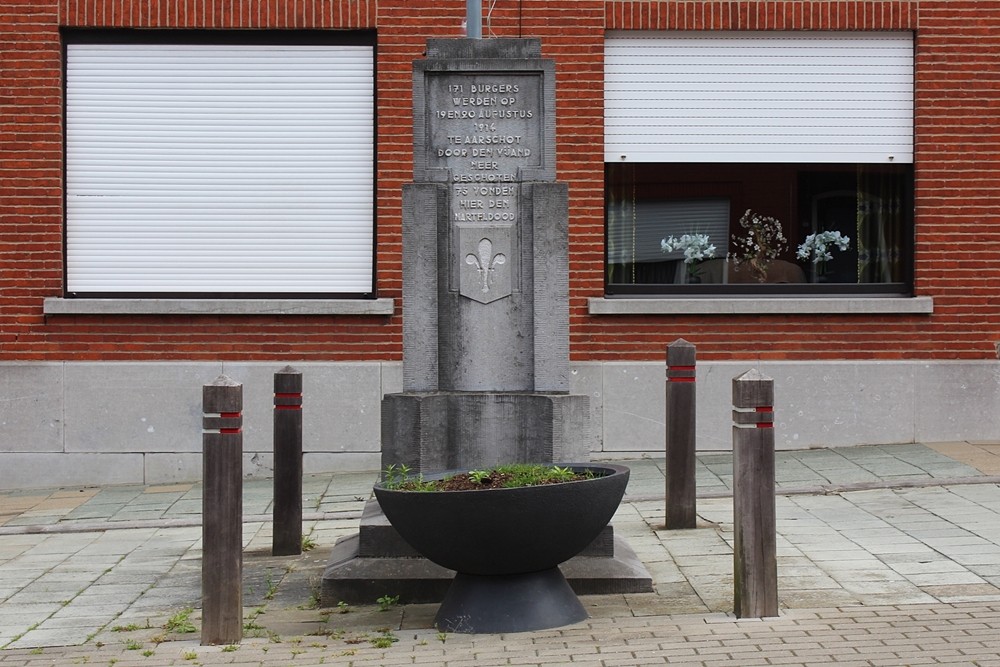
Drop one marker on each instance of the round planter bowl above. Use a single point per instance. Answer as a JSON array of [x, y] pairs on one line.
[[506, 545]]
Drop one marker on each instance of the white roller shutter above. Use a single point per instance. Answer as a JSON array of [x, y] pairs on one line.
[[219, 169], [823, 97]]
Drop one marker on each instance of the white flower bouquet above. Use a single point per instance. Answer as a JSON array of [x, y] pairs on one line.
[[695, 247], [818, 246]]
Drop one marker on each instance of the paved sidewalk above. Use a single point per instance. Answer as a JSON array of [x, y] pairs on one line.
[[887, 555]]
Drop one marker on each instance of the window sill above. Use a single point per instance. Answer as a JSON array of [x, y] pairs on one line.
[[865, 305], [193, 306]]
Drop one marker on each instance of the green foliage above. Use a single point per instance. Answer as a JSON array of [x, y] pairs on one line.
[[131, 627], [251, 627], [384, 640], [179, 622], [272, 587], [479, 476], [315, 599], [528, 474], [398, 477], [387, 602], [308, 543], [511, 476]]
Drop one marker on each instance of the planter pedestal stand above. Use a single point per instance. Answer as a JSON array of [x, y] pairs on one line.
[[509, 603]]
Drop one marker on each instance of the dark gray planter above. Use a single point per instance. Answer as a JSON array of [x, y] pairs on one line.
[[506, 546]]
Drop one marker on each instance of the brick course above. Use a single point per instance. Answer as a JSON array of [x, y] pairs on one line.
[[957, 190]]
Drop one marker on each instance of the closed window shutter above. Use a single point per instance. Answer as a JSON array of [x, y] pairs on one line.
[[636, 238], [219, 169], [800, 97]]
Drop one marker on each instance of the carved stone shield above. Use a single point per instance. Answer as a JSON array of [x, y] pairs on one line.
[[485, 262]]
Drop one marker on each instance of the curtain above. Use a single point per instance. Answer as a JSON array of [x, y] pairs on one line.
[[880, 222]]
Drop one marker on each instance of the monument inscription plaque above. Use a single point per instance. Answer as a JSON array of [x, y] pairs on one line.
[[482, 131]]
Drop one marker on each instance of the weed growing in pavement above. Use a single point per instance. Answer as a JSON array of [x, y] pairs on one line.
[[272, 587], [387, 602], [179, 622], [385, 639]]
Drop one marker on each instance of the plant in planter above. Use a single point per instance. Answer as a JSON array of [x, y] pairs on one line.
[[505, 542]]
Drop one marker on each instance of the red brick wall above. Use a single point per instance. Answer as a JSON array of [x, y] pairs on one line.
[[958, 107]]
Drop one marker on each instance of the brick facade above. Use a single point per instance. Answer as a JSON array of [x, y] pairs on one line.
[[957, 187]]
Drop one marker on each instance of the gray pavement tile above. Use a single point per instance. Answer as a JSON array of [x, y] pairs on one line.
[[55, 637], [963, 577]]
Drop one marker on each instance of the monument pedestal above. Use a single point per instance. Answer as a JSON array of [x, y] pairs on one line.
[[437, 431]]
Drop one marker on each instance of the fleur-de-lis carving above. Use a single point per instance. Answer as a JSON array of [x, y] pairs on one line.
[[485, 262]]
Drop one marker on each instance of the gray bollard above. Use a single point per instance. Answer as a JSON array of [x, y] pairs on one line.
[[287, 532], [681, 488], [222, 513], [755, 564]]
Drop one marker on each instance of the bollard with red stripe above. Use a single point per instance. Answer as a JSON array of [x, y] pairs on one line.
[[222, 512], [287, 530], [755, 563], [679, 420]]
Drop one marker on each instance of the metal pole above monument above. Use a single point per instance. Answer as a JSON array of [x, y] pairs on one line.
[[474, 19]]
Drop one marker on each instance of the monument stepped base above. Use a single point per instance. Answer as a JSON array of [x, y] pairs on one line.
[[377, 562]]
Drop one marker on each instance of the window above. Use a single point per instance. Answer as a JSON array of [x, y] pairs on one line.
[[219, 164], [808, 133]]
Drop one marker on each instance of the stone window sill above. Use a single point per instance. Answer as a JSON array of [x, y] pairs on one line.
[[60, 306], [866, 305]]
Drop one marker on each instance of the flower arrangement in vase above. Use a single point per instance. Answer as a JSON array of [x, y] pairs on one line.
[[696, 248], [817, 247], [761, 243]]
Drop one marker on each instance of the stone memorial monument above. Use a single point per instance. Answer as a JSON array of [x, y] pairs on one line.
[[485, 268], [485, 309]]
